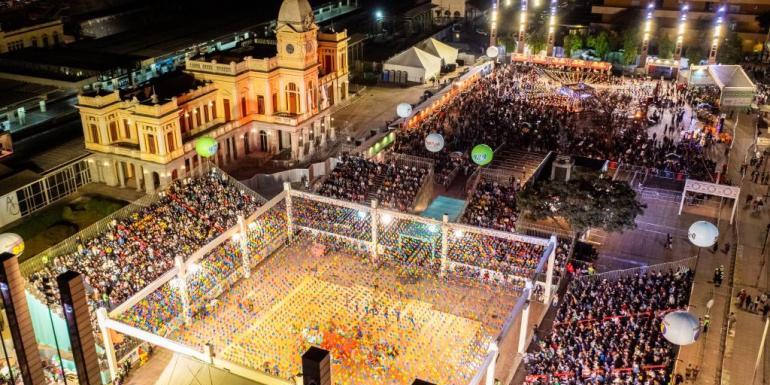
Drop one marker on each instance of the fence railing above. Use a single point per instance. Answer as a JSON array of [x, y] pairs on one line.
[[410, 160], [688, 263]]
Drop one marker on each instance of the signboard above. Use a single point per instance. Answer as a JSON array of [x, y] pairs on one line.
[[9, 208], [720, 190], [557, 61]]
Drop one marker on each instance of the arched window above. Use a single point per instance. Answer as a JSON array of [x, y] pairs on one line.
[[457, 15], [292, 98]]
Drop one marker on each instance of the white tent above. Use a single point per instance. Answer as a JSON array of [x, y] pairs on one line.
[[447, 53], [418, 65], [183, 370], [736, 88]]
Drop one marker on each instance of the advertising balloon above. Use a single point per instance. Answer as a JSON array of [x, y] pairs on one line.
[[11, 243], [434, 142], [404, 110], [482, 154], [703, 234], [493, 52], [206, 146], [680, 327]]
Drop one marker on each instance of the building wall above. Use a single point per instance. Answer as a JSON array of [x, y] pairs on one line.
[[267, 105], [44, 35]]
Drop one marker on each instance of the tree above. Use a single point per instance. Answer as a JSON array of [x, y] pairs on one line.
[[730, 49], [584, 202], [600, 44], [572, 43], [630, 45], [665, 46], [536, 40]]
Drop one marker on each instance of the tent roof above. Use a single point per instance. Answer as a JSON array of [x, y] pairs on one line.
[[730, 76], [415, 57], [438, 48], [184, 370]]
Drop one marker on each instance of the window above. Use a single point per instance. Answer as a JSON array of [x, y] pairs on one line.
[[56, 38], [206, 113], [197, 114], [94, 133], [213, 110], [45, 41], [152, 145], [113, 131], [34, 41], [182, 124], [126, 129], [15, 45], [260, 104], [170, 143], [244, 107], [328, 64], [292, 98]]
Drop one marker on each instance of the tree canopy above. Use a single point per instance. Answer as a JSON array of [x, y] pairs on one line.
[[600, 44], [730, 49], [584, 203], [630, 45], [665, 46]]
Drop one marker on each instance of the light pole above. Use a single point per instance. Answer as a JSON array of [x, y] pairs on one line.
[[493, 24], [5, 351], [646, 34], [717, 34], [522, 27], [680, 33], [552, 28]]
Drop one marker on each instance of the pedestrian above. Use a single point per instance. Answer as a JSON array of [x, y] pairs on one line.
[[678, 379], [706, 323], [727, 248], [669, 241], [688, 372], [715, 247], [765, 310], [731, 319]]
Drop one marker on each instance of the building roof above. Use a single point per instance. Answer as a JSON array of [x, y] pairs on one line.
[[296, 14], [437, 48], [256, 51], [415, 57], [730, 76], [419, 9], [24, 17], [165, 87], [53, 62]]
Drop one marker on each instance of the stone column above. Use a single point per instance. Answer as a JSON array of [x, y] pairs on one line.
[[139, 175], [490, 375], [295, 150], [121, 174]]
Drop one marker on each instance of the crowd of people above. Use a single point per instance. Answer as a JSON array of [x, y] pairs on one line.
[[608, 331], [492, 205], [359, 180]]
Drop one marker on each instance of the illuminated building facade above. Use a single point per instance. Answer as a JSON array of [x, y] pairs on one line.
[[275, 99]]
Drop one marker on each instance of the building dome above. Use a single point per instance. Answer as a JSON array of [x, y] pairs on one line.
[[297, 14]]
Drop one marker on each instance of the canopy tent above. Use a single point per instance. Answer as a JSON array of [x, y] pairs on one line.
[[418, 65], [736, 88], [445, 52]]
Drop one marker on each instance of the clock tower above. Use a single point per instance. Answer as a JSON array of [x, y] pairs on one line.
[[297, 35]]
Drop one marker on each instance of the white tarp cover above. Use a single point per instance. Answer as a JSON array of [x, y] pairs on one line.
[[419, 65], [447, 53], [736, 88]]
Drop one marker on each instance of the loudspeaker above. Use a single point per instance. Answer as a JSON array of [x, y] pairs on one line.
[[75, 305], [316, 367], [421, 382], [19, 321]]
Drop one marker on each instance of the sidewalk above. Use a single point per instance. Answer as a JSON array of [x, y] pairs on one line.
[[727, 356]]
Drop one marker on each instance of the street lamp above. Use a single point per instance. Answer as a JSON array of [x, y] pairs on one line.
[[680, 33], [717, 34], [552, 28], [493, 23], [646, 34], [522, 27]]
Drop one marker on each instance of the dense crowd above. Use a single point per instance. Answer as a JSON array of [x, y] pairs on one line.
[[492, 205], [607, 331], [359, 180]]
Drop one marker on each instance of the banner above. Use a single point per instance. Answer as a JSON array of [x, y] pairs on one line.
[[9, 208]]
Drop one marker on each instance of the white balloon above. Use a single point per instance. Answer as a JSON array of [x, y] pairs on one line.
[[492, 52], [11, 243], [434, 142], [703, 234], [404, 110], [680, 327]]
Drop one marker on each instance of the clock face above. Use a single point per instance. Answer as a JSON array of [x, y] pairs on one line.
[[289, 49]]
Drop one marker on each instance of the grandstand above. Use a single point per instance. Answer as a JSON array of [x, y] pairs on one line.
[[386, 292]]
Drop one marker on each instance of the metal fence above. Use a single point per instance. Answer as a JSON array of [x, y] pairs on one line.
[[688, 263], [49, 189]]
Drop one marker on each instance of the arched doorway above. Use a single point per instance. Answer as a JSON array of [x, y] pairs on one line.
[[174, 175], [263, 141], [292, 99], [246, 147], [155, 180]]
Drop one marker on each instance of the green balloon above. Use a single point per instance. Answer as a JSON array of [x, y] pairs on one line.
[[482, 154], [206, 146]]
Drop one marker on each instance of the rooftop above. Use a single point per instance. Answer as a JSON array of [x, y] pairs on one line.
[[165, 87], [258, 51], [53, 62]]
